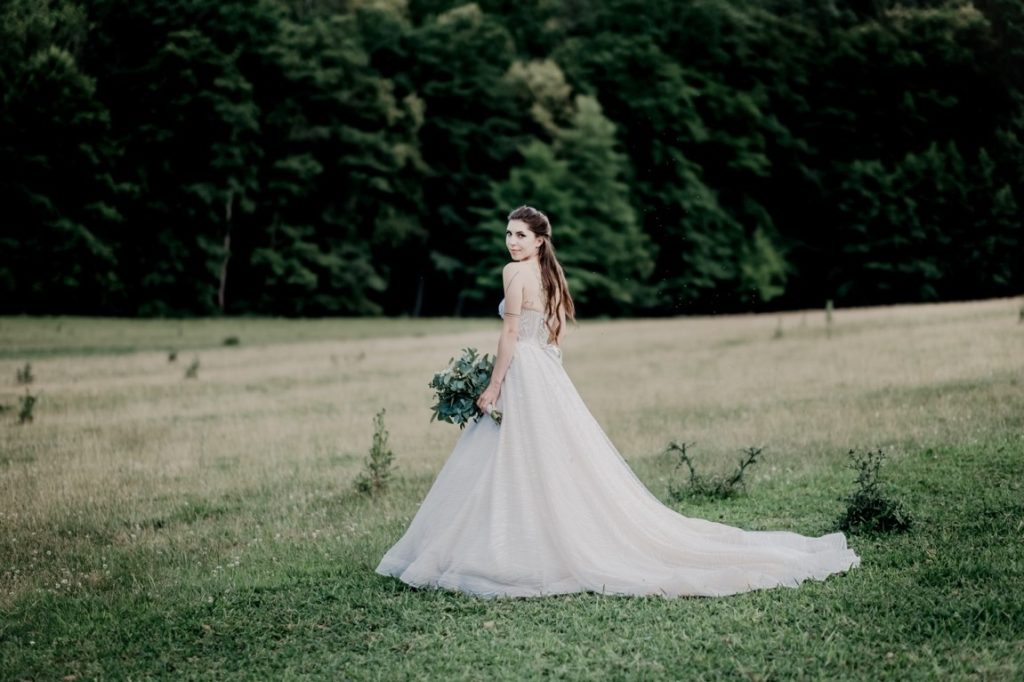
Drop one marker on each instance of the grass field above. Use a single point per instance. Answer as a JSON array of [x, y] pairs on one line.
[[153, 526]]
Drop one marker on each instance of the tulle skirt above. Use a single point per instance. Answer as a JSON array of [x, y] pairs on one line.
[[544, 504]]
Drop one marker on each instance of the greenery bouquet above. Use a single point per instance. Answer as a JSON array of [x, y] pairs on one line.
[[459, 385]]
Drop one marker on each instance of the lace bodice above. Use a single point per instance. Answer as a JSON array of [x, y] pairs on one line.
[[531, 325]]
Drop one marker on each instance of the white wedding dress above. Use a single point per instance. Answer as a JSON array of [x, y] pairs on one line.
[[544, 504]]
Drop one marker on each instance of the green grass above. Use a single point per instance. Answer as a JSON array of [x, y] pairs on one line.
[[942, 601], [152, 527]]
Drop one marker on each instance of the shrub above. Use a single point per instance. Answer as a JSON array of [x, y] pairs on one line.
[[377, 471], [192, 371], [28, 404], [718, 487], [231, 341], [868, 508], [24, 374]]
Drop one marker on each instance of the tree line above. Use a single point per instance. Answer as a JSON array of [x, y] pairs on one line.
[[358, 157]]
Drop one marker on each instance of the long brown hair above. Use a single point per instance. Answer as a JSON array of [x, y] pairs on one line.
[[551, 273]]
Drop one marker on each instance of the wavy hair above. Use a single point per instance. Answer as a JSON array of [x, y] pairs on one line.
[[552, 276]]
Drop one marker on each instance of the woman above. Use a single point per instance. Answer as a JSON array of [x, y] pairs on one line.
[[544, 504]]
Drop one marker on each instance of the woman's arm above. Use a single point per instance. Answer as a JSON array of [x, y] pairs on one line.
[[509, 334], [510, 326]]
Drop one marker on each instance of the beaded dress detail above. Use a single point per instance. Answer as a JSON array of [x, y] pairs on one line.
[[533, 328], [545, 504]]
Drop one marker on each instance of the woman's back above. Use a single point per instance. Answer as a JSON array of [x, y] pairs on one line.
[[535, 308]]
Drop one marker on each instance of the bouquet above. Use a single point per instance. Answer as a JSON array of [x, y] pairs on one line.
[[459, 385]]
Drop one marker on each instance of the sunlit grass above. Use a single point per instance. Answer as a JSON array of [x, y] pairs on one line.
[[153, 525]]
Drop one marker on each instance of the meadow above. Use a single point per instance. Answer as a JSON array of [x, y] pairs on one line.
[[158, 526]]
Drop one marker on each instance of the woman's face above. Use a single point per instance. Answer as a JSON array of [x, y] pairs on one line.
[[521, 242]]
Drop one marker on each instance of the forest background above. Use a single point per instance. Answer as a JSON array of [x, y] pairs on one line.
[[314, 157]]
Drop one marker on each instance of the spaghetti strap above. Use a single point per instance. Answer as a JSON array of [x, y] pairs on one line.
[[512, 279]]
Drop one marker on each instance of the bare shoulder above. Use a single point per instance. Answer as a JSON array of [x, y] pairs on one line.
[[511, 270]]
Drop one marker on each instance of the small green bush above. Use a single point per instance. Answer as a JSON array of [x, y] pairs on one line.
[[709, 486], [231, 341], [868, 508], [24, 374], [192, 371], [28, 404], [376, 474]]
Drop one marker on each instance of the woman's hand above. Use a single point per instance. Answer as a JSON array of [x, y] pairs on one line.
[[488, 397]]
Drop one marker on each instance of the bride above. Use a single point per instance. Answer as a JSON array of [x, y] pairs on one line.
[[544, 503]]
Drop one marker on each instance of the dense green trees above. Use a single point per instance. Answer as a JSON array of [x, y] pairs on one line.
[[61, 224], [359, 157]]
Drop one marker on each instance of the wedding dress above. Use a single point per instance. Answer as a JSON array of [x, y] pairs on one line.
[[544, 504]]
